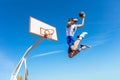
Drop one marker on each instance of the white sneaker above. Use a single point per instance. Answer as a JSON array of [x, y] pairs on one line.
[[83, 47], [82, 35]]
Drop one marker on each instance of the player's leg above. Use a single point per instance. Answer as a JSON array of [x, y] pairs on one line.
[[73, 53], [73, 48], [75, 45], [77, 42], [70, 41]]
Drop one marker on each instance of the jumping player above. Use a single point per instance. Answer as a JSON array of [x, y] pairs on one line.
[[70, 31]]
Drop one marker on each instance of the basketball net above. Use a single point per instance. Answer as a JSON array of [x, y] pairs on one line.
[[46, 33]]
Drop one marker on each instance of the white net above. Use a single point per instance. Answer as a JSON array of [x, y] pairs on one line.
[[47, 33]]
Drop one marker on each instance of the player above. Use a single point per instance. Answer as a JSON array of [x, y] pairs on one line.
[[70, 31]]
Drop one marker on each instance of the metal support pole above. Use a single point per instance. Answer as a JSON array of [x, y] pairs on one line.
[[26, 70], [16, 70]]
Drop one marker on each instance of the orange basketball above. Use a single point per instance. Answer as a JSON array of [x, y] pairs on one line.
[[82, 14]]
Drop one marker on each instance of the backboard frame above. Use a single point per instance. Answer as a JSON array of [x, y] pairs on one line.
[[35, 23]]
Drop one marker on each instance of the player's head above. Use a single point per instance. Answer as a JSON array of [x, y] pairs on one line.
[[70, 19], [70, 22]]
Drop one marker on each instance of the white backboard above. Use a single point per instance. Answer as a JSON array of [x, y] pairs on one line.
[[40, 28]]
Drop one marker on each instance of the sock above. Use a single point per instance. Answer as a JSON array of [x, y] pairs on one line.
[[80, 38]]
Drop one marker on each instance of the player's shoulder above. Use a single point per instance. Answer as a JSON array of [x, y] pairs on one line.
[[73, 25]]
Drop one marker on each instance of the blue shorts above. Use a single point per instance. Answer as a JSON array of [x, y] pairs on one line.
[[70, 42]]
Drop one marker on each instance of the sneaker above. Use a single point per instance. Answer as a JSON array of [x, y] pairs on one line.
[[83, 47], [82, 35]]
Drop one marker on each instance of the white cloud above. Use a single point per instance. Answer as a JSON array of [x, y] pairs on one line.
[[100, 38], [47, 53], [6, 66]]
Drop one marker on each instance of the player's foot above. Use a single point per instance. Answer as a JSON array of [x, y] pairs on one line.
[[83, 47], [81, 36]]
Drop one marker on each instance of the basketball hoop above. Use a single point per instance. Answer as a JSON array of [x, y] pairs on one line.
[[39, 28], [46, 33], [43, 29]]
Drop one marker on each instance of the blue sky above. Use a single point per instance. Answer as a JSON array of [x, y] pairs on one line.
[[101, 62]]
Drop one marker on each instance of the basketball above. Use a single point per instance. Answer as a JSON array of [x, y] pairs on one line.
[[82, 14]]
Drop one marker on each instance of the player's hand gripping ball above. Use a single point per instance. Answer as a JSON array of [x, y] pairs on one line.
[[82, 14]]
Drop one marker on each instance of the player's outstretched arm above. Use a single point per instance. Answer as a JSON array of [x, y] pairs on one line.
[[81, 15], [82, 24]]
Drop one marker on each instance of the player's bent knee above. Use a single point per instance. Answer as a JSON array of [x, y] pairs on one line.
[[70, 55]]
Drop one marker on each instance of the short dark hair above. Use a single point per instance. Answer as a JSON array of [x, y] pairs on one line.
[[70, 19]]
